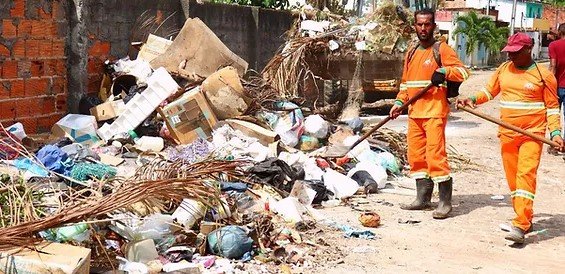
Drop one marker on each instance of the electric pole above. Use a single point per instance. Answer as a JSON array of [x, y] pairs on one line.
[[488, 8], [513, 20]]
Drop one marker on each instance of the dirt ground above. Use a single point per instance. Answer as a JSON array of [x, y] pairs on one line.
[[470, 241]]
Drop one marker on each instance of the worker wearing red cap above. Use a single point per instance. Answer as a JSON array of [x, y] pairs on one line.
[[528, 100]]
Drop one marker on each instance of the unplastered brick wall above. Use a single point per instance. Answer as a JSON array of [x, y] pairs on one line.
[[33, 85], [553, 15]]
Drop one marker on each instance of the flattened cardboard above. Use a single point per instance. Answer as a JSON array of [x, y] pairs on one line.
[[188, 58], [49, 258], [263, 135]]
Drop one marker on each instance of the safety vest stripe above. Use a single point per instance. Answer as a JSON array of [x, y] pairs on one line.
[[523, 194], [417, 84], [419, 175], [463, 73], [522, 105], [403, 87], [552, 111], [487, 93], [439, 179]]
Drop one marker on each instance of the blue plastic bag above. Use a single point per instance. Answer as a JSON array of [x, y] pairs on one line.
[[229, 242]]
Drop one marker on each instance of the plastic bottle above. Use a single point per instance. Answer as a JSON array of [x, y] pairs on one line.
[[133, 136]]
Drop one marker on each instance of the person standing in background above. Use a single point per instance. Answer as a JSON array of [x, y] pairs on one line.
[[557, 67]]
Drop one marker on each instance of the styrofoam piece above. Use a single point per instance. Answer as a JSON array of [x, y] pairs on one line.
[[160, 85]]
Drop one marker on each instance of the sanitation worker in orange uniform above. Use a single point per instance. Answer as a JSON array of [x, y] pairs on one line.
[[528, 99], [430, 62]]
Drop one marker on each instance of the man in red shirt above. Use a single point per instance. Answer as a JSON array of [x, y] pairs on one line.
[[557, 67]]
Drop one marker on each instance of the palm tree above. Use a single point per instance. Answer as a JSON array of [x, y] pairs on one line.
[[480, 31], [496, 38]]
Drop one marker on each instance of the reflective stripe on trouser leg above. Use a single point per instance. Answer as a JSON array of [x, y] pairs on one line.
[[436, 155], [416, 140]]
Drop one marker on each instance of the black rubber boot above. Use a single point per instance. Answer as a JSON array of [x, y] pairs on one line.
[[424, 189], [444, 206]]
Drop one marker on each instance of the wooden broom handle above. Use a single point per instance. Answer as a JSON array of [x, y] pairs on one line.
[[385, 120], [508, 126]]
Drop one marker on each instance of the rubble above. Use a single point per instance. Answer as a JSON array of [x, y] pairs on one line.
[[190, 168]]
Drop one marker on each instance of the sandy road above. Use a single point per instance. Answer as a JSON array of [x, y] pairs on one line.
[[471, 241]]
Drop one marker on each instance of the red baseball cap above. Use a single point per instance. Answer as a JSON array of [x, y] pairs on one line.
[[517, 41]]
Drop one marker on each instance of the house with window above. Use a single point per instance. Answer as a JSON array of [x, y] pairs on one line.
[[529, 19]]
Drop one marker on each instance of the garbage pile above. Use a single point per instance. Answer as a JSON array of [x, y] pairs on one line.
[[178, 166], [319, 35]]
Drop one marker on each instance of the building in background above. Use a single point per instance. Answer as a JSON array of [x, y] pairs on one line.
[[530, 18]]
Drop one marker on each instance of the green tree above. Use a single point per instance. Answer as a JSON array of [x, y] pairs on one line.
[[480, 31]]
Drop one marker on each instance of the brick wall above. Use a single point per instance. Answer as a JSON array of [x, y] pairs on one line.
[[549, 13], [52, 51], [33, 85]]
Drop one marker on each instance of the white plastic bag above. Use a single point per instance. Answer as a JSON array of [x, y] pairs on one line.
[[341, 185], [316, 126], [377, 172]]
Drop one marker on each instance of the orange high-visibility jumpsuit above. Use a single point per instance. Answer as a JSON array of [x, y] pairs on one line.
[[531, 104], [427, 117]]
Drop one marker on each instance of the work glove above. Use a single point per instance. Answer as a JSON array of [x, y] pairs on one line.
[[438, 78]]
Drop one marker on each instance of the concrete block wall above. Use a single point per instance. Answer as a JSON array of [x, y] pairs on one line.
[[33, 82], [109, 26]]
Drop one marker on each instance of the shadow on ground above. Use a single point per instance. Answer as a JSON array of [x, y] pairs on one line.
[[465, 204]]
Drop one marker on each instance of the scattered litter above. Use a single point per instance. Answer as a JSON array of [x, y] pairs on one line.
[[201, 166], [497, 197], [408, 221], [364, 249]]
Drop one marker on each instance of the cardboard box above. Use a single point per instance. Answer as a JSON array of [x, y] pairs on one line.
[[154, 47], [225, 93], [189, 117], [108, 110], [263, 135], [49, 258]]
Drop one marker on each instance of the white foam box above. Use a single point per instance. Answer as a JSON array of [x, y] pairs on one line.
[[160, 85]]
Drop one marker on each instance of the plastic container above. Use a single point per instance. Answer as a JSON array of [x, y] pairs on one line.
[[148, 143], [188, 212], [17, 130]]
